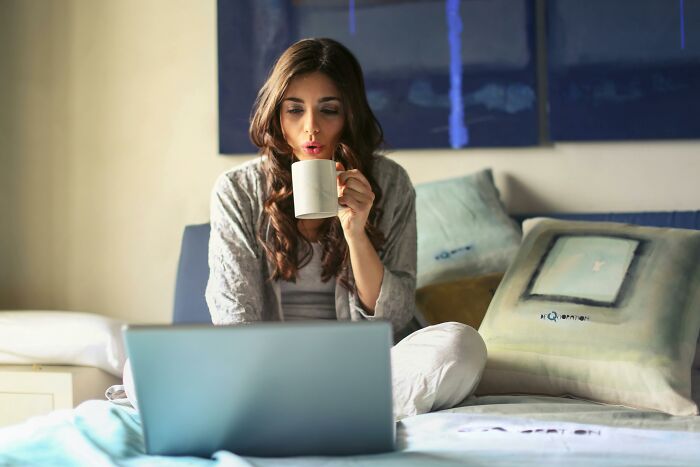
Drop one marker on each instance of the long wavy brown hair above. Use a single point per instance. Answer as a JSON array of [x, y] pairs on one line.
[[362, 136]]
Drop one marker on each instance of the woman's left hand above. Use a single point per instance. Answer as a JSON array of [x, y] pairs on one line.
[[356, 197]]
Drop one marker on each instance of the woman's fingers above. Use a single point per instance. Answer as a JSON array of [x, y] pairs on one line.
[[357, 185], [355, 191], [357, 200], [355, 177]]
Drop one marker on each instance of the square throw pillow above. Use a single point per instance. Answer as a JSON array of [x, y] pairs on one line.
[[464, 300], [463, 229], [602, 311]]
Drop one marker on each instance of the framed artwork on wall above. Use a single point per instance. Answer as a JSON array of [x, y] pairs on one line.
[[623, 69], [439, 73]]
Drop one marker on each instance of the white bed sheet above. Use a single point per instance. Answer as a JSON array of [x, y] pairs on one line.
[[487, 431]]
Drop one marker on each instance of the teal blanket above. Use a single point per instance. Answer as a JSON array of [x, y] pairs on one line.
[[491, 431]]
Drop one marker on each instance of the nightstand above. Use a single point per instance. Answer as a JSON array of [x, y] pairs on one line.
[[30, 390]]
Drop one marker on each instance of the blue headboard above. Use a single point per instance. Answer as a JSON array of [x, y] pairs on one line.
[[193, 268], [192, 276]]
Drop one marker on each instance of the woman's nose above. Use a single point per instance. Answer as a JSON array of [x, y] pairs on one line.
[[310, 126]]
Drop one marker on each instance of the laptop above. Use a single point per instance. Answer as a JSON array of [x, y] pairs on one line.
[[265, 390]]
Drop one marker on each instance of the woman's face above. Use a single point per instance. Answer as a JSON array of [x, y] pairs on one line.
[[312, 116]]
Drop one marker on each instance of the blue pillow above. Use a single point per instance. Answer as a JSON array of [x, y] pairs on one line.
[[463, 229]]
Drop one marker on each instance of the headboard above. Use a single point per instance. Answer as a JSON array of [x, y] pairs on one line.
[[193, 268]]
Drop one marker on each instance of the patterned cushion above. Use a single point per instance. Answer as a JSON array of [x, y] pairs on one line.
[[601, 311]]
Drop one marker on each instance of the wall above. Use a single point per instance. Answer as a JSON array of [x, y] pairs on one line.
[[108, 148]]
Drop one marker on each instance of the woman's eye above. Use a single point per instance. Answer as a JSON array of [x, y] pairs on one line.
[[329, 111], [295, 110]]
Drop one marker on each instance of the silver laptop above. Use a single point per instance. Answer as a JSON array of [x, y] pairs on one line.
[[265, 390]]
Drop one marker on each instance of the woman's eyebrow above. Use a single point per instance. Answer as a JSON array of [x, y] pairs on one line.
[[323, 99]]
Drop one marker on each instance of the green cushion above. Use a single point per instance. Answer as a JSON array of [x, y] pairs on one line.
[[464, 300]]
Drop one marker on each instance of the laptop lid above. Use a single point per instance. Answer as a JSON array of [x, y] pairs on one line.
[[266, 390]]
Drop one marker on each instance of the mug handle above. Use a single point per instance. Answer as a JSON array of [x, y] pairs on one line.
[[338, 172]]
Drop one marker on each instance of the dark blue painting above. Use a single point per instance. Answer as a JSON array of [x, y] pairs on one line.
[[624, 69], [439, 73]]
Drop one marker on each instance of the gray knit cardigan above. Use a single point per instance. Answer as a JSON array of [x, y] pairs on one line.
[[239, 289]]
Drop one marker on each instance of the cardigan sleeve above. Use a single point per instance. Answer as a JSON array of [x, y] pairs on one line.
[[234, 292]]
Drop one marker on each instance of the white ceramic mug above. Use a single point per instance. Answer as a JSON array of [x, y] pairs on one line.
[[315, 189]]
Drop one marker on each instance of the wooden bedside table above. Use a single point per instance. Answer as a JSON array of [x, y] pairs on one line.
[[30, 390]]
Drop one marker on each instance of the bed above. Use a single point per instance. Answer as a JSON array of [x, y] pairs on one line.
[[491, 430], [484, 429]]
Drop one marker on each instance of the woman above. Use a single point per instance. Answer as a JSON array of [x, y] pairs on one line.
[[265, 264]]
